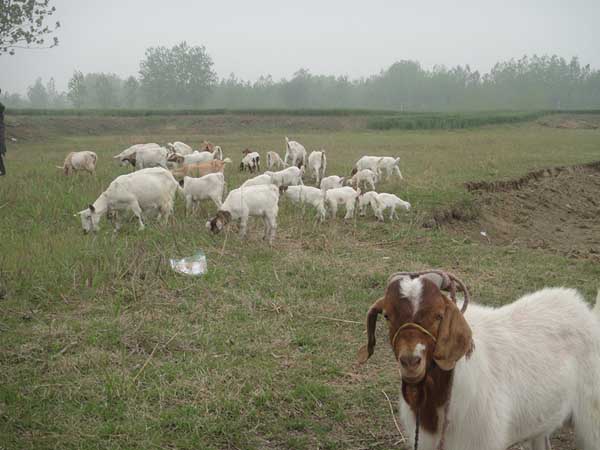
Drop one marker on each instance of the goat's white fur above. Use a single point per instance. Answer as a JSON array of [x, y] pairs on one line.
[[308, 194], [124, 156], [257, 180], [148, 157], [251, 161], [180, 147], [535, 366], [390, 166], [364, 176], [331, 182], [343, 195], [209, 186], [77, 161], [295, 153], [369, 162], [292, 176], [317, 164]]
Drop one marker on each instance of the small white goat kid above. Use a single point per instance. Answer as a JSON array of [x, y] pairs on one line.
[[292, 176], [317, 164], [380, 202], [274, 161], [209, 186], [306, 195], [391, 166], [331, 182], [251, 162], [241, 203], [342, 196], [141, 191], [365, 176]]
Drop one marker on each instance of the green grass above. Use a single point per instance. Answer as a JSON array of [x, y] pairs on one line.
[[103, 346]]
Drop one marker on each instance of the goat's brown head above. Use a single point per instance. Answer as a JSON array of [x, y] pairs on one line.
[[425, 326], [176, 157], [207, 146], [217, 223], [246, 151]]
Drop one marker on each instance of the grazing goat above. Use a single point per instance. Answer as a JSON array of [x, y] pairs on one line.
[[488, 378], [291, 176], [128, 156], [274, 161], [144, 190], [209, 186], [250, 161], [242, 203], [180, 147], [342, 196], [259, 179], [151, 157], [317, 164], [295, 153], [197, 170], [306, 194], [76, 161], [380, 202], [331, 182], [391, 166], [195, 157], [364, 176]]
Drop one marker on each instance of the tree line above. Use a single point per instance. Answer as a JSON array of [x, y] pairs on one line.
[[183, 77]]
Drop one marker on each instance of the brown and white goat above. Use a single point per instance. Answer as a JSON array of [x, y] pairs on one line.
[[492, 377], [76, 161], [197, 170]]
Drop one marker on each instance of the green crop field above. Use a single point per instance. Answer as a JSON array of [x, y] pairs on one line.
[[102, 346]]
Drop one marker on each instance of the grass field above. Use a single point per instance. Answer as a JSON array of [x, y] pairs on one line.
[[103, 346]]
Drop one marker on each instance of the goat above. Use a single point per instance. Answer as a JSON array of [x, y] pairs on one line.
[[317, 164], [332, 181], [250, 161], [343, 195], [242, 203], [306, 194], [489, 378], [273, 159], [391, 166], [197, 170], [179, 147], [209, 186], [295, 153], [196, 156], [368, 162], [291, 176], [76, 161], [380, 202], [364, 176], [259, 179], [128, 156]]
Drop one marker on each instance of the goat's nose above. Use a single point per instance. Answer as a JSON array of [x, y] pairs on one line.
[[410, 361]]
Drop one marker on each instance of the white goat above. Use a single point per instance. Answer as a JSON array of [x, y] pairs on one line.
[[128, 156], [380, 202], [209, 186], [295, 153], [364, 176], [194, 157], [242, 203], [151, 157], [331, 182], [306, 194], [390, 166], [257, 180], [368, 162], [342, 196], [291, 176], [141, 191], [251, 162], [76, 161], [511, 374], [274, 161], [317, 164], [180, 147]]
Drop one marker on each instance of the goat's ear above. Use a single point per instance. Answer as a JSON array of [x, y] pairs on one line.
[[91, 207], [454, 339], [365, 352]]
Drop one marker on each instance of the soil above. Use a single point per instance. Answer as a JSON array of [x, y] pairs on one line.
[[556, 209], [571, 121]]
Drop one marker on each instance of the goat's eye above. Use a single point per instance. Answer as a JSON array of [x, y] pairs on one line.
[[438, 317]]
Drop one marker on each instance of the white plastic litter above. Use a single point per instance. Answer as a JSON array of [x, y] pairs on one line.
[[192, 265]]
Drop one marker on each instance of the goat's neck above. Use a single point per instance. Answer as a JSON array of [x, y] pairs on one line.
[[101, 205], [428, 396]]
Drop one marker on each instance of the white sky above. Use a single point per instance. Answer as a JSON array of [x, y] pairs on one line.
[[277, 37]]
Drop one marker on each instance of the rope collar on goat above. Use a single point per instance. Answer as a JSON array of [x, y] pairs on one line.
[[412, 325]]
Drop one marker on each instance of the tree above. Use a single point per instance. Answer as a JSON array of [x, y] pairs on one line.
[[38, 97], [106, 90], [22, 25], [77, 89], [130, 92], [179, 76]]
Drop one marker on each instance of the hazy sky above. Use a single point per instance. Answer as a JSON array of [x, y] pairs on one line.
[[277, 37]]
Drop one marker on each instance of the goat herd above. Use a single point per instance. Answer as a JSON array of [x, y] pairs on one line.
[[161, 172], [476, 379]]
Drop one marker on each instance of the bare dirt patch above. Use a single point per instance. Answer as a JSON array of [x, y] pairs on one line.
[[572, 121], [554, 209]]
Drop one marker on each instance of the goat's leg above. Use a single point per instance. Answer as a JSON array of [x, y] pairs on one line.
[[397, 172], [137, 210], [349, 210], [189, 204], [243, 226], [540, 443]]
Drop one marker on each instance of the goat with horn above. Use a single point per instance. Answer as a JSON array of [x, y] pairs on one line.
[[487, 378]]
